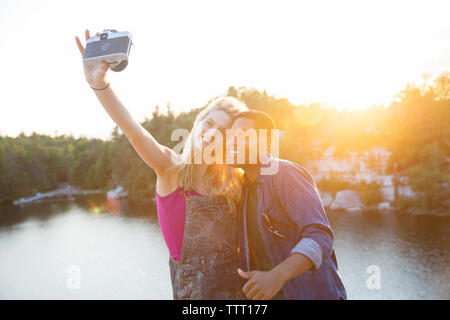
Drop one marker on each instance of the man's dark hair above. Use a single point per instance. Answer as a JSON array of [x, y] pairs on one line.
[[262, 120]]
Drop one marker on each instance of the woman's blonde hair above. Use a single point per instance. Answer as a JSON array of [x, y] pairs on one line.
[[220, 179]]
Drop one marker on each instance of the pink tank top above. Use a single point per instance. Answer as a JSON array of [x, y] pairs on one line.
[[171, 215]]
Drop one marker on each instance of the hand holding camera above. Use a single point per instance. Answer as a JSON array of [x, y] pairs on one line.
[[107, 50]]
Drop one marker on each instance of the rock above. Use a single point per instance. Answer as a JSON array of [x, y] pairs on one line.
[[403, 191], [117, 193], [326, 198], [406, 191], [348, 200], [65, 190], [415, 211], [384, 206], [388, 193]]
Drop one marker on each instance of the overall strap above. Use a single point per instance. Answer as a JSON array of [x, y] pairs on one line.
[[186, 195]]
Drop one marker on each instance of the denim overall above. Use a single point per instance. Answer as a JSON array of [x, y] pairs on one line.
[[209, 259]]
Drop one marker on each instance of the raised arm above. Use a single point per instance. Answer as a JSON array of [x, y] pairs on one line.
[[154, 154]]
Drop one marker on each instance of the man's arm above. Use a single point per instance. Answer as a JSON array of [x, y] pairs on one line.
[[292, 266], [299, 197], [157, 156], [297, 194], [263, 285]]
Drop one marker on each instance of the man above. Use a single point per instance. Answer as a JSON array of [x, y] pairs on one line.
[[285, 239]]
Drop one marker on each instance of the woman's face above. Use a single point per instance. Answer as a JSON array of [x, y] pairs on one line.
[[214, 124]]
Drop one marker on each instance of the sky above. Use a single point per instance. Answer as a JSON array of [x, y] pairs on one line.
[[348, 54]]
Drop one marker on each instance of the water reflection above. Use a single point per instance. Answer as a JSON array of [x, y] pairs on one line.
[[11, 215], [411, 251], [121, 254]]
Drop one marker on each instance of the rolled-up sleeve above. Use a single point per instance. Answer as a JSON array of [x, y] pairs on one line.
[[300, 198], [311, 249]]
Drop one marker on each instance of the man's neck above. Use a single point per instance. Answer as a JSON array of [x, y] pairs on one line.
[[252, 171]]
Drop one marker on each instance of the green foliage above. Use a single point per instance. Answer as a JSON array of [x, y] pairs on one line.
[[431, 184], [406, 204], [333, 185], [420, 141], [31, 164], [370, 193], [415, 128]]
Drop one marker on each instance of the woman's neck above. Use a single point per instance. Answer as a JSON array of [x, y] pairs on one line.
[[198, 178]]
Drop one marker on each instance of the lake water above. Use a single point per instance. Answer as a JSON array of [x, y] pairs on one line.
[[91, 248]]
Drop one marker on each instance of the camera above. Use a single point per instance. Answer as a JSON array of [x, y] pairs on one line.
[[111, 47]]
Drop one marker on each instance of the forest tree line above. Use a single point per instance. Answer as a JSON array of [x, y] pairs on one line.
[[414, 127]]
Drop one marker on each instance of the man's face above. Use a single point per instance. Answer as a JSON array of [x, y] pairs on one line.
[[243, 127]]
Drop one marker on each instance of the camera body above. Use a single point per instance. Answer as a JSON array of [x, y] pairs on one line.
[[111, 47]]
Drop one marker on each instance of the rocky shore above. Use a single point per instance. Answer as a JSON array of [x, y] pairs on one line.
[[350, 201], [344, 200], [63, 191]]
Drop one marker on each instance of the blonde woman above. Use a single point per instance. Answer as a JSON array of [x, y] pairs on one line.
[[197, 203]]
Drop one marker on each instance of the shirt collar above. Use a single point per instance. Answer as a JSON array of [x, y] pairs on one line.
[[266, 164]]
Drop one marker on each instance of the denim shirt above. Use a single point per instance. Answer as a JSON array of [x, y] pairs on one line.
[[292, 203]]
